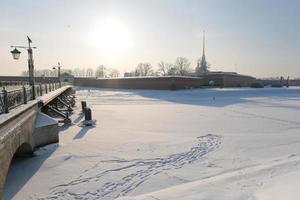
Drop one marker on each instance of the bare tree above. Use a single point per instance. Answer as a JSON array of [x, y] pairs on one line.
[[47, 72], [90, 72], [173, 71], [144, 69], [76, 72], [182, 65], [164, 68], [101, 71], [114, 73]]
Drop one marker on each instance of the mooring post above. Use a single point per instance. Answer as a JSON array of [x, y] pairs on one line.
[[83, 106], [5, 100], [24, 94], [88, 121], [88, 114]]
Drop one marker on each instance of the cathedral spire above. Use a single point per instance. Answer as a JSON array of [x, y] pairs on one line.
[[203, 51], [202, 66], [203, 62]]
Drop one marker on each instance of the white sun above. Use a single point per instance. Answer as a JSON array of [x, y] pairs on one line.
[[111, 36]]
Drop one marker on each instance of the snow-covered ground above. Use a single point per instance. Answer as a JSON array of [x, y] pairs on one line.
[[187, 144]]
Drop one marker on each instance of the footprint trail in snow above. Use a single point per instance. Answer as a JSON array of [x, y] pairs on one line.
[[120, 181]]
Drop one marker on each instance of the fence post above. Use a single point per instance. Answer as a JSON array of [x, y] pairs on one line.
[[24, 95], [33, 92], [5, 100], [41, 90], [46, 88]]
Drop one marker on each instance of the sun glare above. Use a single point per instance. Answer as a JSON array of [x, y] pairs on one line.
[[111, 36]]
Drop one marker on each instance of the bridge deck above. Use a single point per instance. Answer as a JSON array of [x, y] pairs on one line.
[[41, 101], [45, 99]]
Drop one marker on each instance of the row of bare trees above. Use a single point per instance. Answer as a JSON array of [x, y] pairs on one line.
[[181, 67], [100, 72]]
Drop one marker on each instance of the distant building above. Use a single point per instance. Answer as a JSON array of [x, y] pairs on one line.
[[66, 77], [219, 79], [129, 74], [227, 79]]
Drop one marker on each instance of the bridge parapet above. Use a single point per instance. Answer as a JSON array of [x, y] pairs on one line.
[[25, 128], [16, 137]]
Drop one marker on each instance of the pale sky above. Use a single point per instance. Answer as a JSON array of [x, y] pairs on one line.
[[254, 37]]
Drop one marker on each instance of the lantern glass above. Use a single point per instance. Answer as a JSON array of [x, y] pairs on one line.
[[16, 53]]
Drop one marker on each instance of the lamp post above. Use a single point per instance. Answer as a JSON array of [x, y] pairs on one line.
[[16, 55], [58, 73]]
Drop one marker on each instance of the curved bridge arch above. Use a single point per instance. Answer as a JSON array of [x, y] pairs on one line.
[[16, 139], [26, 128]]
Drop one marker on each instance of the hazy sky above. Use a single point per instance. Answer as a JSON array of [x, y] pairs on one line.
[[255, 37]]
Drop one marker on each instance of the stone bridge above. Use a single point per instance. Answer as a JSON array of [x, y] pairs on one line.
[[28, 127]]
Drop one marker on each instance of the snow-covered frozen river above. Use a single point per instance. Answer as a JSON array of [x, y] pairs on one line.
[[187, 144]]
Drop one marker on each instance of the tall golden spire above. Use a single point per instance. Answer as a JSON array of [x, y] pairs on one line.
[[202, 66], [203, 63], [203, 51]]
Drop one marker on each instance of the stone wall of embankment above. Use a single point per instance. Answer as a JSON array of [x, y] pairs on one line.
[[161, 83]]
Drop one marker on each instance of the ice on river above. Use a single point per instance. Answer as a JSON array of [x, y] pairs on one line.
[[188, 144]]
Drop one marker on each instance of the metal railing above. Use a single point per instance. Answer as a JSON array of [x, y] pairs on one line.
[[14, 98], [12, 83]]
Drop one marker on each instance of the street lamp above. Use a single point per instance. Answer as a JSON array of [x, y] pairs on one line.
[[16, 55], [58, 74]]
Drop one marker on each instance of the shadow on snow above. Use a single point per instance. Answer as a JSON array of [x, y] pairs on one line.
[[209, 97], [22, 169]]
